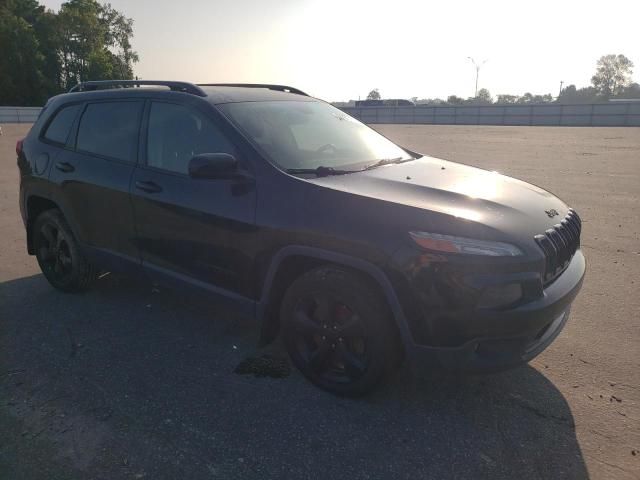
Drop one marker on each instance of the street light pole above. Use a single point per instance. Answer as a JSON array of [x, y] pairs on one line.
[[477, 72]]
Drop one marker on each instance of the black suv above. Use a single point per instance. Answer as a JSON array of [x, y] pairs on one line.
[[358, 252]]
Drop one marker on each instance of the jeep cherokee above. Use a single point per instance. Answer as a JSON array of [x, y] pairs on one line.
[[357, 252]]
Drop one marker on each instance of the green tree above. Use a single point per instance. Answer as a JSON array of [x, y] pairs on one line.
[[632, 91], [431, 101], [46, 28], [21, 62], [374, 95], [531, 98], [44, 53], [483, 97], [455, 100], [573, 95], [613, 74], [507, 99], [526, 98], [118, 38], [82, 40]]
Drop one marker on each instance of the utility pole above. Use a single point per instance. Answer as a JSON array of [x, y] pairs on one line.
[[561, 83], [477, 65]]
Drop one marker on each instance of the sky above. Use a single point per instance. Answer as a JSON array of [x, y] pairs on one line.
[[341, 49]]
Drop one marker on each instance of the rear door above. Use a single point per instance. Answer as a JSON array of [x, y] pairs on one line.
[[55, 135], [200, 231], [52, 137], [91, 179]]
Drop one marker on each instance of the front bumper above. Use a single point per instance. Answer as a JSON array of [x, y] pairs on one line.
[[537, 324]]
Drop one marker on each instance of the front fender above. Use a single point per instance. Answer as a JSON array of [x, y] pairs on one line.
[[368, 268]]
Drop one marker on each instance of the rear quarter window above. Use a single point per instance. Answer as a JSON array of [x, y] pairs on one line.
[[59, 128], [110, 129]]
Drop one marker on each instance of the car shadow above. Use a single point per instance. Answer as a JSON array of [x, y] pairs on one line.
[[129, 380]]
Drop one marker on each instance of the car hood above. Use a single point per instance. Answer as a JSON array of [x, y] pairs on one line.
[[456, 190]]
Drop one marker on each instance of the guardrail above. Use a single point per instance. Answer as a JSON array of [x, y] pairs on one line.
[[596, 114], [618, 114], [19, 114]]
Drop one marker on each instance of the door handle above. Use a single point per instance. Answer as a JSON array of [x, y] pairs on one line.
[[65, 167], [148, 186]]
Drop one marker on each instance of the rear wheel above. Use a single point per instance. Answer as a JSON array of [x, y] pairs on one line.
[[59, 255], [338, 331]]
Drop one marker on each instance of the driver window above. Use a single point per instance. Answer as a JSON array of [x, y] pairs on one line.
[[177, 133]]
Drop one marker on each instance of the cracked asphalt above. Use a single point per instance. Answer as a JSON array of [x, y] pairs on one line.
[[130, 381]]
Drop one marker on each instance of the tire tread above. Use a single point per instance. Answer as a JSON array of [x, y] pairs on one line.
[[85, 273]]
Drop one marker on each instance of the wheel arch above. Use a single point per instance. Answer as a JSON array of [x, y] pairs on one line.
[[292, 261], [36, 204]]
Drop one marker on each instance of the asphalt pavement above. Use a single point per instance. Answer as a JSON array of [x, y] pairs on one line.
[[132, 381]]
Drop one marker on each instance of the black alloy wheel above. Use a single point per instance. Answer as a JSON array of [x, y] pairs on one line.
[[338, 330], [53, 252], [59, 255], [330, 337]]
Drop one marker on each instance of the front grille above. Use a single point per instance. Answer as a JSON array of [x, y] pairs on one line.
[[559, 245]]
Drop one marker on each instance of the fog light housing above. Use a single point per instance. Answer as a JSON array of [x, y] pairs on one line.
[[500, 296]]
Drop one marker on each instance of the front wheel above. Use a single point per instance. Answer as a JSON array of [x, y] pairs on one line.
[[338, 331], [59, 255]]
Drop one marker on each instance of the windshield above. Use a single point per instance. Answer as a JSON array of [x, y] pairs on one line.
[[307, 135]]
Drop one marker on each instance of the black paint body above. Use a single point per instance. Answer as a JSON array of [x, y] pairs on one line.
[[232, 236]]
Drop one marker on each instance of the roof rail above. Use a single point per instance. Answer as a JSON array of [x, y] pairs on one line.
[[185, 87], [279, 88]]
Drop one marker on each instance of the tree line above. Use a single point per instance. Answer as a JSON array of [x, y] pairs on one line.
[[612, 79], [43, 53]]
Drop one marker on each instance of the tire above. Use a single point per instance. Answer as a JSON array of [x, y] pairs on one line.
[[338, 331], [59, 255]]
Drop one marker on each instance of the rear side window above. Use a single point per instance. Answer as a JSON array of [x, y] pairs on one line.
[[110, 129], [60, 127]]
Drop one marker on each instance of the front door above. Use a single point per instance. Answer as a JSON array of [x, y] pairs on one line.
[[196, 230]]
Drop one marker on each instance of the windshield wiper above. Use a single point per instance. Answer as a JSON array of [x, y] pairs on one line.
[[323, 171], [388, 161], [320, 171]]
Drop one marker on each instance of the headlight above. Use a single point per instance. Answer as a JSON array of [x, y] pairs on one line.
[[470, 246]]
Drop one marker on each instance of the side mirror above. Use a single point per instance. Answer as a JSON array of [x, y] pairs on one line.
[[213, 166]]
